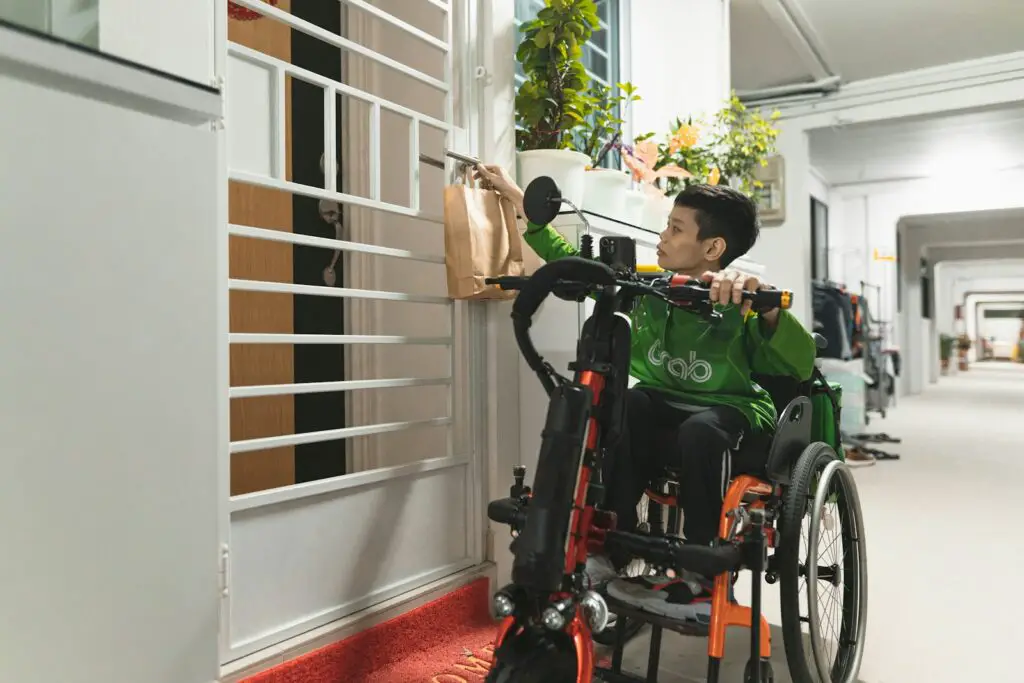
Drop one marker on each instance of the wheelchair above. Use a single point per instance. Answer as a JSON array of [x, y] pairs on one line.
[[776, 523], [798, 523]]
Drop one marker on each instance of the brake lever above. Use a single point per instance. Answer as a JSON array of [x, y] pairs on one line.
[[704, 309]]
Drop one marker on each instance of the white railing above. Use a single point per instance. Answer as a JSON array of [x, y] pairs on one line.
[[332, 435], [311, 241], [266, 515], [332, 88], [344, 44], [343, 385]]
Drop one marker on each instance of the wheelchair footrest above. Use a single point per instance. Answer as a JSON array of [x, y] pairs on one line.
[[672, 552], [683, 627]]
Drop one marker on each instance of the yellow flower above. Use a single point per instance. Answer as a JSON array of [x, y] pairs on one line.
[[714, 176], [684, 138]]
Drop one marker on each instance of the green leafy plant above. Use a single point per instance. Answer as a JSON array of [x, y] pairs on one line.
[[743, 139], [553, 103], [607, 109], [946, 346], [727, 149]]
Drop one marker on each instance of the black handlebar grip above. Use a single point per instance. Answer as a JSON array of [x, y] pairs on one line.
[[765, 299], [507, 282], [540, 284], [506, 511], [769, 299]]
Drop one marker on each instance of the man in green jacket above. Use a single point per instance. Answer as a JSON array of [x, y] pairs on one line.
[[695, 408]]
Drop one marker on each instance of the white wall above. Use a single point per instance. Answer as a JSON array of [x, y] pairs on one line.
[[785, 250], [870, 214], [1005, 330], [952, 87], [819, 188], [109, 410], [176, 37], [954, 279], [28, 13], [871, 211], [919, 237], [670, 87], [975, 326]]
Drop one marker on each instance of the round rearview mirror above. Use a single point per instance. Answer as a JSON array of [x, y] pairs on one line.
[[542, 200]]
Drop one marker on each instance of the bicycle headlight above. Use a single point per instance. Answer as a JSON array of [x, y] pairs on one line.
[[596, 611], [553, 619], [503, 605]]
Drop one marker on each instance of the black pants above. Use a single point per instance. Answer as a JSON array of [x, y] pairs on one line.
[[658, 436]]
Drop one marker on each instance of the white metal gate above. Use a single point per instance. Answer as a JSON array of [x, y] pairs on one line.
[[298, 556]]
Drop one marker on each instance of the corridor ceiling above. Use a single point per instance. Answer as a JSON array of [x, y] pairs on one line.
[[863, 39], [973, 236], [976, 143]]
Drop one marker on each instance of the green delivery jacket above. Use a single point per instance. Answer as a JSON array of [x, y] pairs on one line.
[[699, 364]]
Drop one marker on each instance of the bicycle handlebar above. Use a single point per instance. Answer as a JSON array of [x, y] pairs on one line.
[[587, 276], [671, 288]]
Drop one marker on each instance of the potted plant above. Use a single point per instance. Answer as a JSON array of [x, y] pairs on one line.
[[741, 142], [552, 104], [946, 351], [663, 169], [727, 150], [963, 345], [605, 189]]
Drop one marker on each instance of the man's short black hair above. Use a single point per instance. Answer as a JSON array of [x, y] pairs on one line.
[[723, 212]]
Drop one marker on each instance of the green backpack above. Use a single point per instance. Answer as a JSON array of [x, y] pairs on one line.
[[827, 405]]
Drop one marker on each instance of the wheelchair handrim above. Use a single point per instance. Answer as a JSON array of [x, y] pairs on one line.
[[849, 500]]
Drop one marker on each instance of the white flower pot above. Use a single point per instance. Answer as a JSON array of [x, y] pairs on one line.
[[604, 192], [565, 167], [656, 211], [636, 202]]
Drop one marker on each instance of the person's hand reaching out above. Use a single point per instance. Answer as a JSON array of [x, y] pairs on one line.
[[494, 177]]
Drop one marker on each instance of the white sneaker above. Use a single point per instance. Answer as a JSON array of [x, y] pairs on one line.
[[599, 571]]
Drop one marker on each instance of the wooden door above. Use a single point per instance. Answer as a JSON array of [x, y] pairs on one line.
[[260, 364]]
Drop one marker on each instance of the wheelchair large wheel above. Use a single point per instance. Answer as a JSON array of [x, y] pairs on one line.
[[534, 658], [822, 568]]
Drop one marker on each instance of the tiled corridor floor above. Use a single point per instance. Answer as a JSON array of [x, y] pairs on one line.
[[945, 546]]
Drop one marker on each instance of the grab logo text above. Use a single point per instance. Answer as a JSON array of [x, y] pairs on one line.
[[694, 370]]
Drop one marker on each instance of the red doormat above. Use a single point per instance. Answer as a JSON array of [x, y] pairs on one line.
[[449, 640]]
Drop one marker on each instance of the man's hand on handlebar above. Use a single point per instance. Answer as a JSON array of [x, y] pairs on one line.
[[727, 287]]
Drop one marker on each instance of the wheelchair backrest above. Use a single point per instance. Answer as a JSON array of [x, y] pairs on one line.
[[782, 389], [792, 435]]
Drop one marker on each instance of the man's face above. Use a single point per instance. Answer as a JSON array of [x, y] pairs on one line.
[[681, 250]]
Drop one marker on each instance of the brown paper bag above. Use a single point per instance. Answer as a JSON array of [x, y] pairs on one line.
[[481, 240]]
